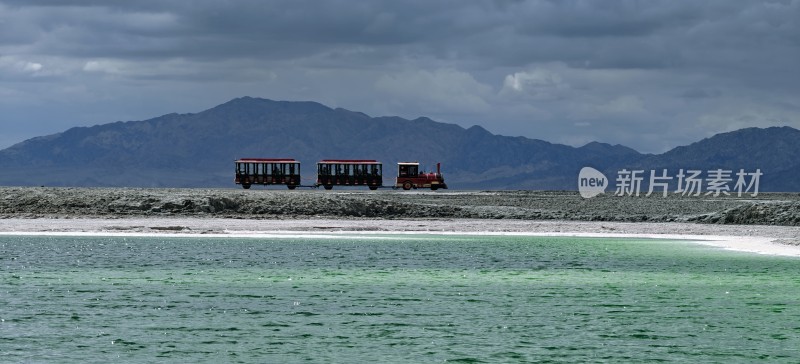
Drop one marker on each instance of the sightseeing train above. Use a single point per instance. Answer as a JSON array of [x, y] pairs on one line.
[[334, 172]]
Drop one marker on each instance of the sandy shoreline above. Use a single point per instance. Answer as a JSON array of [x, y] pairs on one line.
[[772, 240]]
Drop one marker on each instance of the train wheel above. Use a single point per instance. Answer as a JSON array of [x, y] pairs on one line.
[[407, 185], [328, 187], [247, 187], [373, 188], [291, 187], [434, 187]]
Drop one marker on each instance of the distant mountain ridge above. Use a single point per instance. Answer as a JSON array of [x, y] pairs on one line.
[[197, 150]]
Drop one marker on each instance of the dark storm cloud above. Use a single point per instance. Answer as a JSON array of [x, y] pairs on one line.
[[622, 34], [570, 71], [222, 30]]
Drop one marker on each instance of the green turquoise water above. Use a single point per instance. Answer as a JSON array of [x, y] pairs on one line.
[[407, 299]]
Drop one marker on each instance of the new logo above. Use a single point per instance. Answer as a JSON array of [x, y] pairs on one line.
[[591, 182]]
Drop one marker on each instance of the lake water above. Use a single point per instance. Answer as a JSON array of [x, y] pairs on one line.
[[395, 299]]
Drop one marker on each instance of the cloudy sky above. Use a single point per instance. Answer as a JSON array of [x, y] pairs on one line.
[[651, 75]]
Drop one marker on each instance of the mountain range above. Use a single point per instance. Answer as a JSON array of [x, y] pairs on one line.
[[198, 150]]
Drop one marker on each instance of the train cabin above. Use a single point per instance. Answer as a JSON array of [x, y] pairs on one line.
[[267, 171], [349, 172]]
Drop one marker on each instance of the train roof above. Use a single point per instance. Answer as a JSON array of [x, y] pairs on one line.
[[266, 160]]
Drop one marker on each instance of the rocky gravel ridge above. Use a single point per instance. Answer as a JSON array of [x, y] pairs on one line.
[[33, 202]]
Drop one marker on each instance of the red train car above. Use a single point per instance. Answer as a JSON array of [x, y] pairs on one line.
[[349, 172], [267, 171]]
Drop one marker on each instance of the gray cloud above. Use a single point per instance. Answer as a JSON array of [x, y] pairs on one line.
[[648, 74]]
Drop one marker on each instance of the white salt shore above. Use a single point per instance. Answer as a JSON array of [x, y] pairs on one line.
[[772, 240]]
